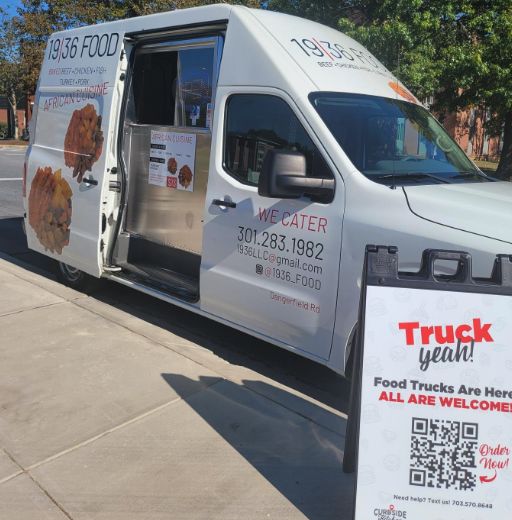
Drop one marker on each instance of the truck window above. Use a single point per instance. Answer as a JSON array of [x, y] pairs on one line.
[[393, 141], [256, 123], [173, 88], [195, 85]]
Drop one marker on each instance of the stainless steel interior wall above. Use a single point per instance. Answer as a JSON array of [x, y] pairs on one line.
[[164, 215]]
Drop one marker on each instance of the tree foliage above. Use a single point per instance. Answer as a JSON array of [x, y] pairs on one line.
[[401, 36], [325, 11], [10, 72], [459, 51]]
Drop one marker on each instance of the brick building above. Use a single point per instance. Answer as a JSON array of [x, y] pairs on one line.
[[24, 111], [467, 128]]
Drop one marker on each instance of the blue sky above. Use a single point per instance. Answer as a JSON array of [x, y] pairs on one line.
[[10, 6]]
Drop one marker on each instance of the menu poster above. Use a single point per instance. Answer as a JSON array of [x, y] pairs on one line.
[[435, 434], [172, 160]]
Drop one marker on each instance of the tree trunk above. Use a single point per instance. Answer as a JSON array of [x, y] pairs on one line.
[[10, 121], [504, 171], [15, 111], [13, 131]]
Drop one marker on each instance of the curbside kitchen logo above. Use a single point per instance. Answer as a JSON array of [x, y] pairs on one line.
[[445, 343], [389, 513]]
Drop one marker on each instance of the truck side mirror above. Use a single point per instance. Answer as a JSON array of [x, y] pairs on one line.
[[283, 175]]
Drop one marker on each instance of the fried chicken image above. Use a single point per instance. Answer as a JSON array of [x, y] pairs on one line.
[[172, 165], [83, 143], [185, 176], [49, 209]]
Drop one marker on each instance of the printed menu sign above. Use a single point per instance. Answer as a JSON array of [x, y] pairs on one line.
[[435, 434], [172, 160]]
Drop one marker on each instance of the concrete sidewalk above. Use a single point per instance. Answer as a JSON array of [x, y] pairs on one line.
[[106, 416]]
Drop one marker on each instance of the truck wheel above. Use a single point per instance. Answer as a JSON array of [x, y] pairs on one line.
[[74, 278]]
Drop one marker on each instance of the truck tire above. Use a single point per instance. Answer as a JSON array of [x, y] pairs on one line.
[[76, 279]]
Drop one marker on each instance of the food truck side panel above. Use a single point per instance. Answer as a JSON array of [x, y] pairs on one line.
[[66, 181], [274, 260], [268, 287]]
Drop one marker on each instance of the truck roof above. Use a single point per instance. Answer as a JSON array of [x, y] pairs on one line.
[[176, 17], [266, 48]]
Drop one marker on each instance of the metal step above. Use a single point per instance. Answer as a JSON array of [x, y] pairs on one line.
[[165, 280]]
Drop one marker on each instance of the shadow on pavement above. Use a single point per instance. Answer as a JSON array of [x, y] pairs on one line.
[[287, 368], [300, 459], [14, 242], [235, 347]]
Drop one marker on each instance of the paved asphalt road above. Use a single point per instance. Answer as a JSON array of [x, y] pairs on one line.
[[308, 377], [11, 171]]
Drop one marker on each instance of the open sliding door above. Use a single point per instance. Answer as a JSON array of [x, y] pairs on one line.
[[166, 149]]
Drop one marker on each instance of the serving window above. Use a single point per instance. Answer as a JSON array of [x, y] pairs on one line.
[[173, 84]]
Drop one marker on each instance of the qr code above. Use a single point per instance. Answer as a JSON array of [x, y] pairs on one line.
[[443, 454]]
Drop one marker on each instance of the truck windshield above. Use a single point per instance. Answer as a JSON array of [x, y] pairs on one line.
[[394, 142]]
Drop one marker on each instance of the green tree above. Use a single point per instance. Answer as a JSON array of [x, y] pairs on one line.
[[326, 11], [459, 51], [10, 73], [32, 25]]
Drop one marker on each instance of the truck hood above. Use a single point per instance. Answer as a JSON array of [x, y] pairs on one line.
[[480, 208]]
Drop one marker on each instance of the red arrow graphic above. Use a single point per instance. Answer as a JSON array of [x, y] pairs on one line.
[[486, 480]]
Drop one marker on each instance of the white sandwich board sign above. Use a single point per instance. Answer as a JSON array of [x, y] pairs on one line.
[[432, 407]]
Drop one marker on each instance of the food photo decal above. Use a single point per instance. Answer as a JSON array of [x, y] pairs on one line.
[[83, 143], [172, 165], [185, 176], [50, 208]]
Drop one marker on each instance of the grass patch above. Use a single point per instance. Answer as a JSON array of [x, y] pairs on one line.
[[13, 142], [487, 166]]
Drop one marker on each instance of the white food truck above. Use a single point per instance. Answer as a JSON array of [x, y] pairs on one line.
[[236, 162]]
